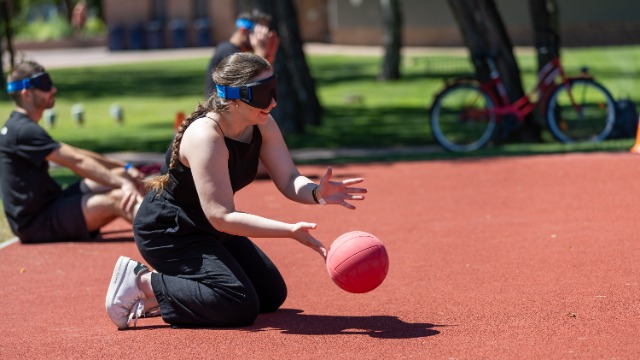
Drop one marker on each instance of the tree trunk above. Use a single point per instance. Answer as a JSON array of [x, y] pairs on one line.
[[484, 34], [545, 20], [6, 35], [97, 6], [298, 104], [392, 18], [67, 7]]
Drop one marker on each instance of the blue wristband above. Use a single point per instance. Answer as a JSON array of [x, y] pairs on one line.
[[127, 166]]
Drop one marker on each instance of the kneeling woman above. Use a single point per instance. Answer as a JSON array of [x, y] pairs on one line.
[[207, 271]]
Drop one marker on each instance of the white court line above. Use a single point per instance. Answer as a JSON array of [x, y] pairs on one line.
[[13, 240]]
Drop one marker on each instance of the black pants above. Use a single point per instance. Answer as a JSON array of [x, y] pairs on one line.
[[210, 283]]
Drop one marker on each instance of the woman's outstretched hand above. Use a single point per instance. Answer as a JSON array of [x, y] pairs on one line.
[[339, 192], [302, 234]]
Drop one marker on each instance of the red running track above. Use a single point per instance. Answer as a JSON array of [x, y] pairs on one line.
[[524, 257]]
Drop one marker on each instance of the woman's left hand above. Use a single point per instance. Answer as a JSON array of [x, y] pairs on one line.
[[339, 192], [302, 232]]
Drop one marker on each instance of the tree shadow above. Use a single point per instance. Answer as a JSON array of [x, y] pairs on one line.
[[292, 321]]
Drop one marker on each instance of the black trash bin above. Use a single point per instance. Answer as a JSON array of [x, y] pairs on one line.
[[178, 30], [116, 37], [136, 37], [155, 35], [203, 32]]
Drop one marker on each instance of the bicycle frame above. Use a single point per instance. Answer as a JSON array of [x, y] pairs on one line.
[[545, 82], [560, 98]]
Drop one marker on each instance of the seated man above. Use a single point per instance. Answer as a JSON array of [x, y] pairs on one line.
[[37, 208]]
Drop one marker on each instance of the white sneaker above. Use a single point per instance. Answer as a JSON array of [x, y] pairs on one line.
[[125, 300]]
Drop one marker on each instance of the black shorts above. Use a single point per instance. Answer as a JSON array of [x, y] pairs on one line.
[[61, 220]]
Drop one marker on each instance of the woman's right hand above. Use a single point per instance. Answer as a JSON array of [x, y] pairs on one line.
[[302, 234]]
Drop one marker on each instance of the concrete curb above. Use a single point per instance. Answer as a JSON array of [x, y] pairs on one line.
[[305, 155], [11, 241], [100, 55]]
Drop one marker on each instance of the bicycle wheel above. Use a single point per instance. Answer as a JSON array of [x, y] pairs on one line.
[[462, 118], [590, 119]]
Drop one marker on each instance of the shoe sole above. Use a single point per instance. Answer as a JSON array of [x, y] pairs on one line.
[[117, 278]]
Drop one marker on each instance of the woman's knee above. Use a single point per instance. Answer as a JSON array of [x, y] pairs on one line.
[[244, 313], [274, 301]]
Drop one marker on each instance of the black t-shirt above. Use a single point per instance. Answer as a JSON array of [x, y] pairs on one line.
[[24, 172], [223, 50]]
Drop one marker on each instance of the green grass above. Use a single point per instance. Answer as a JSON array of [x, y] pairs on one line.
[[5, 232], [360, 111]]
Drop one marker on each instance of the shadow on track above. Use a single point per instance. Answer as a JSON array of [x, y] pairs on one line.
[[292, 321]]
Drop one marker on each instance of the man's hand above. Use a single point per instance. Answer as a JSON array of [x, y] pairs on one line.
[[264, 42]]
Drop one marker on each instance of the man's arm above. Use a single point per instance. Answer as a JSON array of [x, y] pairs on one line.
[[85, 164], [133, 173], [103, 160]]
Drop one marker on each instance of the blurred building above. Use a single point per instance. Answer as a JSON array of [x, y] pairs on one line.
[[431, 23], [148, 24]]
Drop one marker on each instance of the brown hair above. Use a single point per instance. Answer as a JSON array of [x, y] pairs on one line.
[[256, 16], [235, 70], [21, 71]]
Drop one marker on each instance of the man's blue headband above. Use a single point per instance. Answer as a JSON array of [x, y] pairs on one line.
[[40, 81], [245, 24]]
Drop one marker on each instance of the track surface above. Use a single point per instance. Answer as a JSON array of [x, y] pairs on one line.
[[525, 258]]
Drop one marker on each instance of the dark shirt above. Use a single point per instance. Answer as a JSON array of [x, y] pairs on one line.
[[177, 210], [25, 183], [223, 50]]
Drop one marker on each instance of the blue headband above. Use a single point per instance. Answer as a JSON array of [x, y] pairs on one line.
[[228, 92], [258, 94], [19, 85], [245, 24], [40, 81]]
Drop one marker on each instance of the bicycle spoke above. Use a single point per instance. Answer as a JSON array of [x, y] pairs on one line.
[[583, 112], [461, 118]]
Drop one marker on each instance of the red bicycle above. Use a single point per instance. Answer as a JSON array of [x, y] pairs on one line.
[[465, 113]]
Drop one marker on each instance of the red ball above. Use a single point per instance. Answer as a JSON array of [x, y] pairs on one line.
[[357, 262]]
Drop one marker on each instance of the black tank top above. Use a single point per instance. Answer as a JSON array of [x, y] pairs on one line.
[[176, 212], [243, 168]]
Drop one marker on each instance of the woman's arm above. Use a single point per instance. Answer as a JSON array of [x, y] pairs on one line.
[[276, 158], [204, 151]]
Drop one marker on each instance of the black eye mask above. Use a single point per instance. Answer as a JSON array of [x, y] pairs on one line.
[[40, 81], [257, 94]]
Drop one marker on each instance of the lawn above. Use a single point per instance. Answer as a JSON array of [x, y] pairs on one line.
[[360, 111]]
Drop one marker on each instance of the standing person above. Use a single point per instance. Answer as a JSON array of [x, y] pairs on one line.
[[252, 34], [37, 208], [188, 228]]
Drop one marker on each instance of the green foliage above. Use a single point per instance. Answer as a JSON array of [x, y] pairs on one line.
[[40, 30], [58, 27], [94, 26]]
